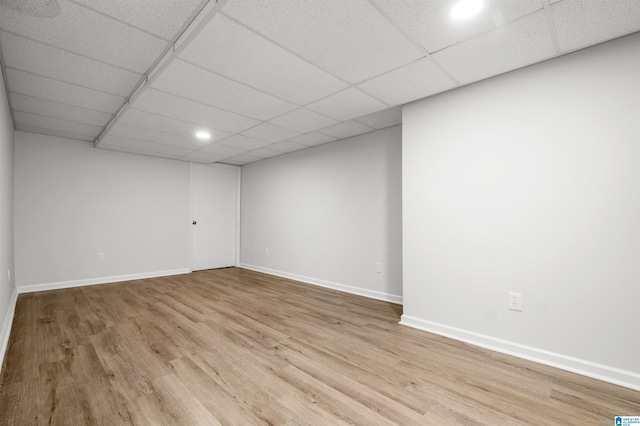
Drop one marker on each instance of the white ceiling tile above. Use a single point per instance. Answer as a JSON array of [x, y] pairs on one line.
[[347, 38], [203, 157], [147, 120], [42, 9], [225, 150], [346, 129], [56, 124], [137, 151], [380, 120], [132, 132], [38, 58], [509, 47], [163, 18], [233, 162], [303, 120], [263, 153], [244, 142], [195, 83], [117, 141], [234, 51], [313, 138], [350, 103], [286, 146], [270, 133], [53, 90], [581, 23], [428, 22], [50, 132], [414, 81], [88, 33], [241, 159], [167, 105], [58, 110]]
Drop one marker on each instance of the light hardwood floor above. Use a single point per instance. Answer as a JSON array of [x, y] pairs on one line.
[[232, 346]]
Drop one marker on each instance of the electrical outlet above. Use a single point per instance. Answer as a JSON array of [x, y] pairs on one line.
[[100, 256], [515, 301], [378, 267]]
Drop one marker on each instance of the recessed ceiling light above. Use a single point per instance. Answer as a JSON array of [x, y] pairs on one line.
[[203, 136], [466, 9]]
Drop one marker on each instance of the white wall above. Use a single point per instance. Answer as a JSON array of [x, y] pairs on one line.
[[73, 201], [530, 182], [327, 214], [7, 288]]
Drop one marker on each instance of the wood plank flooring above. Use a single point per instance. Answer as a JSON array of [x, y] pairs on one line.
[[237, 347]]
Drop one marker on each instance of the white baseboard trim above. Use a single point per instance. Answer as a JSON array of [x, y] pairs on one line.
[[328, 284], [6, 326], [101, 280], [602, 372]]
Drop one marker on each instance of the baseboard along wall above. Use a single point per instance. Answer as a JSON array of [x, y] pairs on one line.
[[6, 327], [393, 298], [101, 280], [605, 373], [583, 367]]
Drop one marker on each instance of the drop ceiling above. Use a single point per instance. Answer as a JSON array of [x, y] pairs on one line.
[[265, 77]]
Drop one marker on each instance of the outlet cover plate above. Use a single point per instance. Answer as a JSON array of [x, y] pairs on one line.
[[515, 301]]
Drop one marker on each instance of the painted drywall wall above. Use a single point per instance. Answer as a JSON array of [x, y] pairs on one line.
[[7, 286], [73, 201], [328, 214], [530, 182]]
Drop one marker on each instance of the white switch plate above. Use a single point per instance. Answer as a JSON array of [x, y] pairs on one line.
[[100, 256], [378, 267]]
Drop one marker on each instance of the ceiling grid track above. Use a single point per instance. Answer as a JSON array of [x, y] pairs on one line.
[[205, 14], [238, 81], [548, 14]]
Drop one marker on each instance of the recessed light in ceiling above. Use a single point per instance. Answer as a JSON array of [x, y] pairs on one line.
[[203, 136], [465, 9]]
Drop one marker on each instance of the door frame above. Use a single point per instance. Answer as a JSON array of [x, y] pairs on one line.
[[238, 170]]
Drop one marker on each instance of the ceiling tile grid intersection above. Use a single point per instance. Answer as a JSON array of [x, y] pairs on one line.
[[198, 84], [53, 132], [303, 120], [519, 43], [86, 32], [117, 141], [348, 38], [414, 81], [183, 109], [161, 18], [348, 104], [234, 51], [346, 129], [62, 125], [28, 55], [58, 110], [28, 84], [428, 22]]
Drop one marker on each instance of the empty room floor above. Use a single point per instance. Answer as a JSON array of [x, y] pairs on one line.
[[233, 346]]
